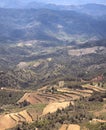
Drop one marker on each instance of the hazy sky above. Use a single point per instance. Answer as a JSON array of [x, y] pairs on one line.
[[74, 1], [61, 2]]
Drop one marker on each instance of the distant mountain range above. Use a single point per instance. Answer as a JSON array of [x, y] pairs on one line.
[[28, 20], [44, 24], [91, 8], [42, 43]]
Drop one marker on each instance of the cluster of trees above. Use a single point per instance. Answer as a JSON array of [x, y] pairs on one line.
[[96, 96], [23, 104]]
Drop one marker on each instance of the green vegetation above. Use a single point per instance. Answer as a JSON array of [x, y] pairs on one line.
[[9, 97], [70, 115], [21, 71], [81, 113], [42, 47], [96, 126], [37, 107], [90, 106]]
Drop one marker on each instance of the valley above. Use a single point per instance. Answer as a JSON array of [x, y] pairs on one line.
[[68, 78], [52, 66]]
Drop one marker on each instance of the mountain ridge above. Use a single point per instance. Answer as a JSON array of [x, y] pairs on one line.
[[48, 24]]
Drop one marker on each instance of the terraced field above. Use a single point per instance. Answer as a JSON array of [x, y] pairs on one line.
[[57, 98], [94, 88], [61, 94], [12, 119], [53, 107]]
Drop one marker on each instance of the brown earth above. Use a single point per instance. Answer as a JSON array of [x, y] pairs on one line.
[[53, 107], [98, 113], [55, 100], [94, 88], [73, 127], [63, 94], [70, 127], [11, 120], [64, 127], [98, 120]]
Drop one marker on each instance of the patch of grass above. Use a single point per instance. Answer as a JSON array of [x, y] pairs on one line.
[[104, 86], [37, 107]]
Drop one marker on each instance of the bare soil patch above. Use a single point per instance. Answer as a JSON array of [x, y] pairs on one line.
[[53, 107]]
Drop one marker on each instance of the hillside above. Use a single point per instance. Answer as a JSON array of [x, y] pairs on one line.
[[47, 24], [54, 107], [35, 63], [52, 66]]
